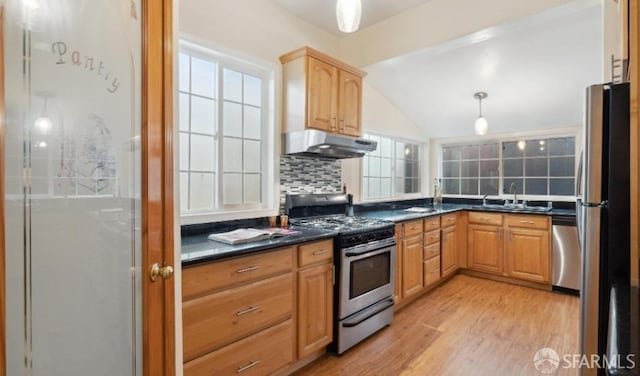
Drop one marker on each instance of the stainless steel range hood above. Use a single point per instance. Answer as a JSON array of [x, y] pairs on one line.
[[314, 143]]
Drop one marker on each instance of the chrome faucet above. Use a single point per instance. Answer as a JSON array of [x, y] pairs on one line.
[[513, 188], [484, 200]]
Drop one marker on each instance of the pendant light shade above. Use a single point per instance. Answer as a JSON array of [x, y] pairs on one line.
[[481, 125], [348, 13]]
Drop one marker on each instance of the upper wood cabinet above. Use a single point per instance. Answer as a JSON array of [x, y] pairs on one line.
[[321, 92]]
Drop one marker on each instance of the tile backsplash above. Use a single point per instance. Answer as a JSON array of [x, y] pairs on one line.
[[309, 175]]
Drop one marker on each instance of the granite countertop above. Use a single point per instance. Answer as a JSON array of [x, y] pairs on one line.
[[198, 248], [401, 215]]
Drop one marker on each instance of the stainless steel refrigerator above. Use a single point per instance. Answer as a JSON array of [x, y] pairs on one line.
[[603, 212]]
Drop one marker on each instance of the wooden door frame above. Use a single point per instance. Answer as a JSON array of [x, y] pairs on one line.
[[157, 188]]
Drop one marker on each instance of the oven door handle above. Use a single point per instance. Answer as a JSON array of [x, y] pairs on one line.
[[362, 318], [367, 252]]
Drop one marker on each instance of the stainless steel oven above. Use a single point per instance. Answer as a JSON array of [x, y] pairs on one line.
[[367, 275]]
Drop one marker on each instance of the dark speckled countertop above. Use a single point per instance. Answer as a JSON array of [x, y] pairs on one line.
[[198, 248]]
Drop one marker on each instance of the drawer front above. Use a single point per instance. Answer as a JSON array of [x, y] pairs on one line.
[[314, 253], [432, 271], [528, 221], [431, 224], [261, 354], [432, 237], [218, 319], [203, 279], [412, 228], [449, 220], [485, 218], [431, 251]]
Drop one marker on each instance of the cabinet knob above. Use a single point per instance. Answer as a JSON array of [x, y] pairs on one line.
[[165, 272]]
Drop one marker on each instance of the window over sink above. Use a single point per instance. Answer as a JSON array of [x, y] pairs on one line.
[[225, 130]]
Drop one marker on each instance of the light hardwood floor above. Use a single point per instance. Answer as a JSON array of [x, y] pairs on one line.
[[467, 327]]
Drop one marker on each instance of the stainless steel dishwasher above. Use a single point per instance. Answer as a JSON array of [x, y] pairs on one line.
[[567, 257]]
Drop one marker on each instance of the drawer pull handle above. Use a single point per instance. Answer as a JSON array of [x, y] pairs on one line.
[[483, 219], [435, 271], [248, 366], [320, 252], [249, 269], [527, 222], [247, 310]]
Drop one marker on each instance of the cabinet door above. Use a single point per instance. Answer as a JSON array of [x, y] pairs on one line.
[[322, 96], [350, 104], [412, 266], [448, 252], [528, 254], [315, 309], [485, 247], [431, 271], [397, 290]]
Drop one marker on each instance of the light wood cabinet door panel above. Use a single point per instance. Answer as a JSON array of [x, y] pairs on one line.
[[263, 353], [528, 254], [350, 104], [397, 289], [412, 266], [322, 96], [315, 309], [485, 248], [448, 253], [431, 271], [218, 319]]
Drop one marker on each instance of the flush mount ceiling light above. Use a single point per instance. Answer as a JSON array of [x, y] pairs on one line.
[[348, 13], [481, 125]]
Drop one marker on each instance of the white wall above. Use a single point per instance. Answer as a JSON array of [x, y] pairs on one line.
[[435, 22]]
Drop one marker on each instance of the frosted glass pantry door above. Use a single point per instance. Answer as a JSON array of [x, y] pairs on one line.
[[73, 252]]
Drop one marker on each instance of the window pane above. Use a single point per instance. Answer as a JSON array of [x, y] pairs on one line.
[[184, 191], [536, 148], [252, 90], [374, 166], [451, 153], [414, 153], [202, 153], [535, 186], [469, 186], [183, 109], [488, 151], [252, 123], [232, 119], [513, 167], [469, 169], [252, 189], [400, 168], [232, 189], [511, 150], [203, 115], [232, 88], [203, 77], [518, 185], [536, 167], [415, 185], [183, 72], [451, 186], [385, 147], [184, 151], [374, 187], [201, 191], [489, 168], [562, 166], [401, 150], [562, 187], [470, 152], [450, 169], [232, 158], [562, 146], [385, 166], [365, 166], [385, 187], [489, 186], [252, 156]]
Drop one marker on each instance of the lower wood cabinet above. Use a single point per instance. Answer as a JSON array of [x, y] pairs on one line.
[[528, 254], [431, 271], [315, 308], [449, 250], [412, 282], [397, 289], [485, 248]]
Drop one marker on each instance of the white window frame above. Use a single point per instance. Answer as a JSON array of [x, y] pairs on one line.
[[267, 205], [506, 196], [394, 195]]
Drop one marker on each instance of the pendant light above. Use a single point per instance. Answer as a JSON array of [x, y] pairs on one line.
[[348, 13], [481, 126]]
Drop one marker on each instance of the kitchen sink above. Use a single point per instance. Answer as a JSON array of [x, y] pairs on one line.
[[513, 207]]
